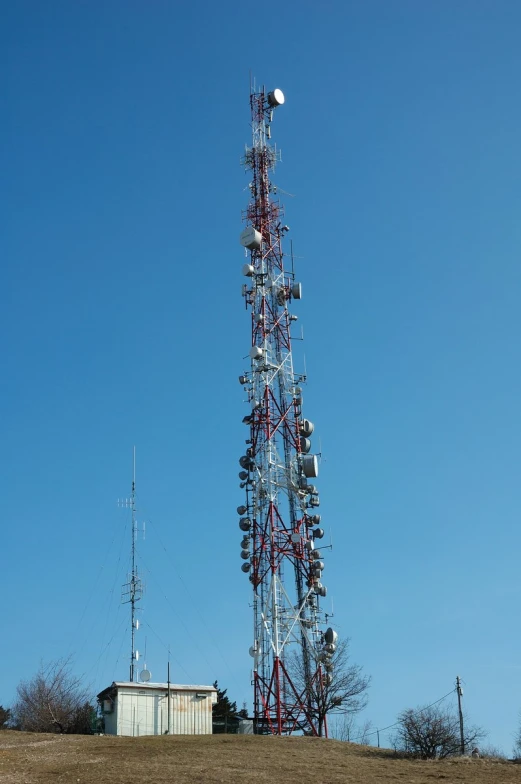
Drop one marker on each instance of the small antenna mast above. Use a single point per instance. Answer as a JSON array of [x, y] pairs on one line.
[[134, 572], [133, 589]]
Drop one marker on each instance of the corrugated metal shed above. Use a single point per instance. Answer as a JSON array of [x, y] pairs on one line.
[[142, 708]]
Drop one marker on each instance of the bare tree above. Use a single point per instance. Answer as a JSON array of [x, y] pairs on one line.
[[516, 752], [433, 732], [5, 718], [492, 752], [343, 688], [363, 732], [346, 728], [342, 727], [54, 700]]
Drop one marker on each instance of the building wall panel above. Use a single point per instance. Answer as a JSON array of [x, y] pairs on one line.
[[145, 712]]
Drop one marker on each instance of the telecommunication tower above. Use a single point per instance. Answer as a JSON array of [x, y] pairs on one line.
[[291, 653], [132, 590]]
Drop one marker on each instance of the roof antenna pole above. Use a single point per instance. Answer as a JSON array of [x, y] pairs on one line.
[[133, 590], [134, 577]]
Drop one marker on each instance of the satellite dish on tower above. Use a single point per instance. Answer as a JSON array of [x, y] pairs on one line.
[[145, 675], [276, 97]]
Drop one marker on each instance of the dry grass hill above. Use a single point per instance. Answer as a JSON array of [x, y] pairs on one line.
[[27, 758]]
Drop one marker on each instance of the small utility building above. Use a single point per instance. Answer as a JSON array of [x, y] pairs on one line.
[[130, 708]]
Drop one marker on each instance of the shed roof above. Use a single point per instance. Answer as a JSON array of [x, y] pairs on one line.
[[155, 686]]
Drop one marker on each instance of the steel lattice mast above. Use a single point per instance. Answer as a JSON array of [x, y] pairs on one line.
[[132, 591], [291, 654]]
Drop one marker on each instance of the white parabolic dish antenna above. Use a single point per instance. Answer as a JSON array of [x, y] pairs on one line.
[[276, 97], [145, 675]]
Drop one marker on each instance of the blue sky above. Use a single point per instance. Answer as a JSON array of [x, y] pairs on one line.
[[122, 324]]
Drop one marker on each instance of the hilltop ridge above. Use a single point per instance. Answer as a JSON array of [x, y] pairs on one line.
[[28, 758]]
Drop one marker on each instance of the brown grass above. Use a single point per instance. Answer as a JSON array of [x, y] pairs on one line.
[[27, 758]]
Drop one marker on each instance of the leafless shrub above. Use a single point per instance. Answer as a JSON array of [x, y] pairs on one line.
[[491, 752], [433, 732], [5, 718], [54, 700], [516, 751], [346, 728]]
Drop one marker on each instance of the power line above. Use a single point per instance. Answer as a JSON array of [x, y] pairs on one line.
[[116, 571], [92, 591], [396, 723], [169, 651], [105, 649], [187, 630], [120, 650], [194, 603]]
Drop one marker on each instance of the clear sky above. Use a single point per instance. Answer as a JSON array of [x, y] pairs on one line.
[[122, 323]]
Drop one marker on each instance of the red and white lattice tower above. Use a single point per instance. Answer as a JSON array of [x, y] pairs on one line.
[[291, 654]]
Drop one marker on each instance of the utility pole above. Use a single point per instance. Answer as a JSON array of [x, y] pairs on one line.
[[459, 691], [169, 730]]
